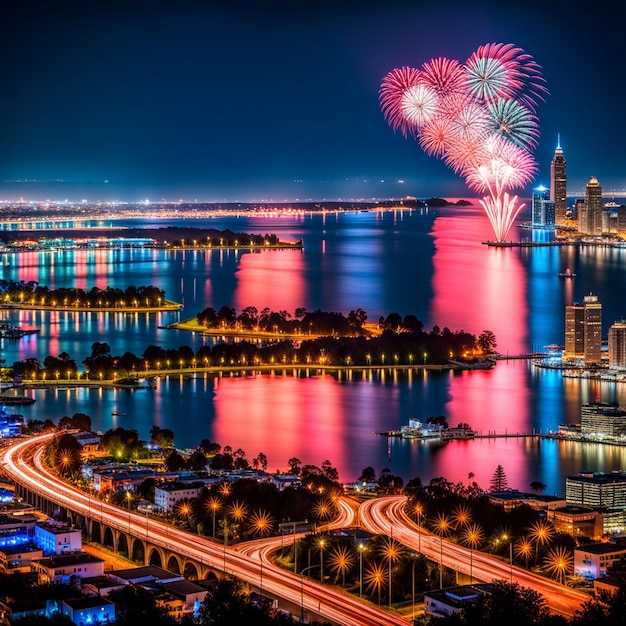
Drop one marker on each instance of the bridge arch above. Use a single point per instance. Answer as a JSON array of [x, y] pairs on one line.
[[173, 564], [190, 572], [94, 532], [138, 551], [107, 539], [155, 558], [122, 545]]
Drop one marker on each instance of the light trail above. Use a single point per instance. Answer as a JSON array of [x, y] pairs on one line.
[[388, 514], [23, 463]]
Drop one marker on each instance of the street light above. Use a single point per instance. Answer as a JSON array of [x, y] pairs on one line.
[[361, 550], [419, 509], [505, 537], [321, 545], [302, 591]]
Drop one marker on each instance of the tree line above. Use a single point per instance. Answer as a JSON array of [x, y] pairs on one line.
[[31, 292]]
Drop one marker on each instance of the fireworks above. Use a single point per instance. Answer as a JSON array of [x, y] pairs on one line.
[[479, 117]]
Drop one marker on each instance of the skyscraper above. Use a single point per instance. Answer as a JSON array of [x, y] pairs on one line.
[[617, 345], [590, 217], [583, 331], [558, 184], [540, 195]]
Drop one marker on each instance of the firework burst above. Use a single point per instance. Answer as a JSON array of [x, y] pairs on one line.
[[478, 117]]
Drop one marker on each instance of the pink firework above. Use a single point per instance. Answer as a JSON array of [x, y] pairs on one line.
[[478, 117], [392, 90]]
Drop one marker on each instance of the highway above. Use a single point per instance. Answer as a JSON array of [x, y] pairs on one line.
[[387, 515], [23, 463]]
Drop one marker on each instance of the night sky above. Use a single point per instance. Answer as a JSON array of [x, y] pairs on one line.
[[279, 100]]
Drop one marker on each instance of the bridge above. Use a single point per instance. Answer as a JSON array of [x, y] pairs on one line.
[[154, 542]]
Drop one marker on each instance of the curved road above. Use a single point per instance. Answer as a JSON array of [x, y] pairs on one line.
[[23, 462], [382, 514]]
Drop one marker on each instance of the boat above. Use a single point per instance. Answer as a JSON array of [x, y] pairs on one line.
[[419, 430], [118, 413], [14, 332], [567, 274]]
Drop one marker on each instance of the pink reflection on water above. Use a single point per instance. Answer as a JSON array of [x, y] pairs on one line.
[[271, 279], [283, 419], [476, 288]]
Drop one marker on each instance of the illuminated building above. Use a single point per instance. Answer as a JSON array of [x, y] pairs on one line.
[[583, 331], [603, 419], [617, 345], [593, 560], [543, 209], [590, 218], [558, 184], [597, 490]]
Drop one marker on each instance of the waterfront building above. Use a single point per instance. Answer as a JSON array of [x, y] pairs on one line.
[[621, 219], [603, 419], [597, 490], [579, 204], [593, 560], [590, 219], [617, 345], [558, 184], [542, 207], [583, 331]]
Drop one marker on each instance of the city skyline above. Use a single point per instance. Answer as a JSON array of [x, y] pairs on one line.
[[275, 102]]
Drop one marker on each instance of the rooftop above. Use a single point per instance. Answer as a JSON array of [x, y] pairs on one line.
[[602, 548], [86, 602]]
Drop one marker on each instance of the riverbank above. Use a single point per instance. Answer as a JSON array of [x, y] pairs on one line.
[[167, 305]]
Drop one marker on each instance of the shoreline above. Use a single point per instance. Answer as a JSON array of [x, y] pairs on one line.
[[168, 305]]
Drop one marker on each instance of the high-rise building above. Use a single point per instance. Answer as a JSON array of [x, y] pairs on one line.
[[603, 419], [583, 331], [617, 345], [541, 194], [558, 184], [590, 219]]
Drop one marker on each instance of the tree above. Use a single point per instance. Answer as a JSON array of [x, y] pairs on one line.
[[368, 475], [486, 341], [499, 481], [162, 437], [174, 461], [538, 486], [197, 461], [607, 608], [295, 466], [508, 604]]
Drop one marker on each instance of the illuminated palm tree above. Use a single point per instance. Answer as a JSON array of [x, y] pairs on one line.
[[261, 523], [472, 536], [375, 579], [462, 515], [341, 560], [442, 527], [225, 488], [392, 552], [418, 509], [524, 549], [323, 509], [238, 510], [213, 504], [558, 561], [541, 533]]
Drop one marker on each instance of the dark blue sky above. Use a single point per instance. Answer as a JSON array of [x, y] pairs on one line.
[[258, 100]]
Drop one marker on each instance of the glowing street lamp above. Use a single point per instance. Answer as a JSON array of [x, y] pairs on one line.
[[442, 526], [361, 550], [506, 537]]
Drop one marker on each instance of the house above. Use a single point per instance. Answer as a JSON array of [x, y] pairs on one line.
[[100, 585], [67, 569], [189, 592], [18, 558], [168, 495], [443, 602], [57, 538], [147, 573], [593, 560], [89, 610]]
